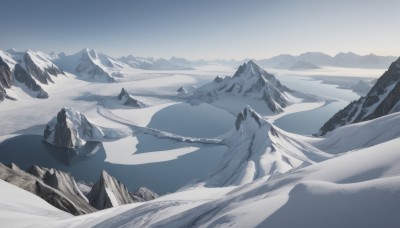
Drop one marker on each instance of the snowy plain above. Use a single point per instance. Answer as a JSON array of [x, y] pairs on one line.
[[364, 186]]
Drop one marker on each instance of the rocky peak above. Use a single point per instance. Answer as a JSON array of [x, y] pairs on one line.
[[71, 129], [128, 100], [108, 192], [248, 70]]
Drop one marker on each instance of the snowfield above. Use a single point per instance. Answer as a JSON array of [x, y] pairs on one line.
[[253, 174]]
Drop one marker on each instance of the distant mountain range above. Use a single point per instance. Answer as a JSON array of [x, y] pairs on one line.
[[312, 60], [32, 71]]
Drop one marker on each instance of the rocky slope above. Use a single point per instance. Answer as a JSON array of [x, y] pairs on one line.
[[108, 192], [27, 70], [35, 185], [63, 182], [382, 99], [6, 79], [71, 129]]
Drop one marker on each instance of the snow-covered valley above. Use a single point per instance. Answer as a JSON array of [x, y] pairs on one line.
[[233, 150]]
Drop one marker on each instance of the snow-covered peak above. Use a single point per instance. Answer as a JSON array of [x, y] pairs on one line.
[[258, 149], [248, 70], [71, 129], [249, 81], [108, 192]]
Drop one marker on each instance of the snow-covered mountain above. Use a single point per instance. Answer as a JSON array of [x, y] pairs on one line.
[[71, 129], [303, 65], [258, 149], [249, 81], [342, 59], [128, 100], [156, 64], [109, 192], [382, 99], [359, 188], [91, 65], [28, 71]]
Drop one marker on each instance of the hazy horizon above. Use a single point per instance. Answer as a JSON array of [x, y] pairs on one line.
[[202, 29]]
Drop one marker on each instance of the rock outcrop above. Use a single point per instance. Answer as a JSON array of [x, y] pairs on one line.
[[128, 100], [30, 183], [6, 79], [109, 192]]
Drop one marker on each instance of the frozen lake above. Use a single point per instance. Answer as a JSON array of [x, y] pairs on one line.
[[162, 177], [204, 120], [309, 122]]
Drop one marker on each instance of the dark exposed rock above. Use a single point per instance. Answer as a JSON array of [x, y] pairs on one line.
[[108, 192], [22, 76], [6, 79], [71, 129], [36, 186], [128, 100], [35, 71], [382, 99], [63, 182]]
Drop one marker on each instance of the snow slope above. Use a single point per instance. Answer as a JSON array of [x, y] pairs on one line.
[[359, 135], [258, 149], [20, 208], [320, 195]]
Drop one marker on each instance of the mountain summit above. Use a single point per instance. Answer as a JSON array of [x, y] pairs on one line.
[[249, 81]]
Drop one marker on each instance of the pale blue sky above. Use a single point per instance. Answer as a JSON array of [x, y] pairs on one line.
[[202, 29]]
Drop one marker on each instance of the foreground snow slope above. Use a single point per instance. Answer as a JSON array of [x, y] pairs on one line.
[[21, 208], [258, 149], [359, 135], [358, 189]]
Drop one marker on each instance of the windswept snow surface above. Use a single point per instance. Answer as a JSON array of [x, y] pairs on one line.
[[356, 186], [338, 192], [20, 208]]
